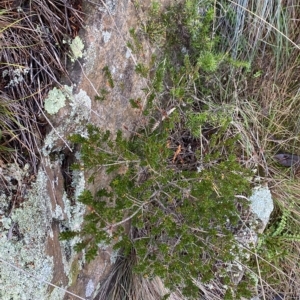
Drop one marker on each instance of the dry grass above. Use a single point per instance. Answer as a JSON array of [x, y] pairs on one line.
[[123, 283], [267, 116], [33, 49]]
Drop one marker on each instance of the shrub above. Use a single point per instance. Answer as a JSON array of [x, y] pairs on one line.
[[176, 217], [174, 205]]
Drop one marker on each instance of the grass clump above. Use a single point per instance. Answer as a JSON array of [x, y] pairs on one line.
[[268, 100], [34, 36]]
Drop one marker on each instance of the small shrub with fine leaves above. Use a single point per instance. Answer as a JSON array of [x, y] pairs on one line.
[[171, 200], [179, 220]]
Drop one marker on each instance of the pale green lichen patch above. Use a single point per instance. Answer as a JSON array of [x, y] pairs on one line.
[[27, 251], [77, 47], [80, 112], [55, 101]]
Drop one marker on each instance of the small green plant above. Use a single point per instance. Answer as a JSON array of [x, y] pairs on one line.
[[102, 95], [108, 76], [142, 70], [271, 242], [136, 103], [136, 46]]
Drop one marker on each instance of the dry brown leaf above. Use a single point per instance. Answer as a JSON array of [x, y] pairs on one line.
[[176, 153]]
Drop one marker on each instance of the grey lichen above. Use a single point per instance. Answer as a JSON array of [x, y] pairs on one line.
[[81, 105], [90, 287], [13, 176], [16, 75], [56, 294], [33, 221], [128, 53], [27, 253], [57, 214], [109, 7], [74, 221], [106, 36]]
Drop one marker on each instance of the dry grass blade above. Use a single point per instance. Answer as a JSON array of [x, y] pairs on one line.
[[123, 283], [32, 47], [267, 99]]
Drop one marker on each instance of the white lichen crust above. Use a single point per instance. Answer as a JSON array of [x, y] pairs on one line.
[[261, 203], [74, 220], [75, 122]]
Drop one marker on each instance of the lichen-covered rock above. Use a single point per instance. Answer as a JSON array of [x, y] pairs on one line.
[[262, 205], [26, 248]]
